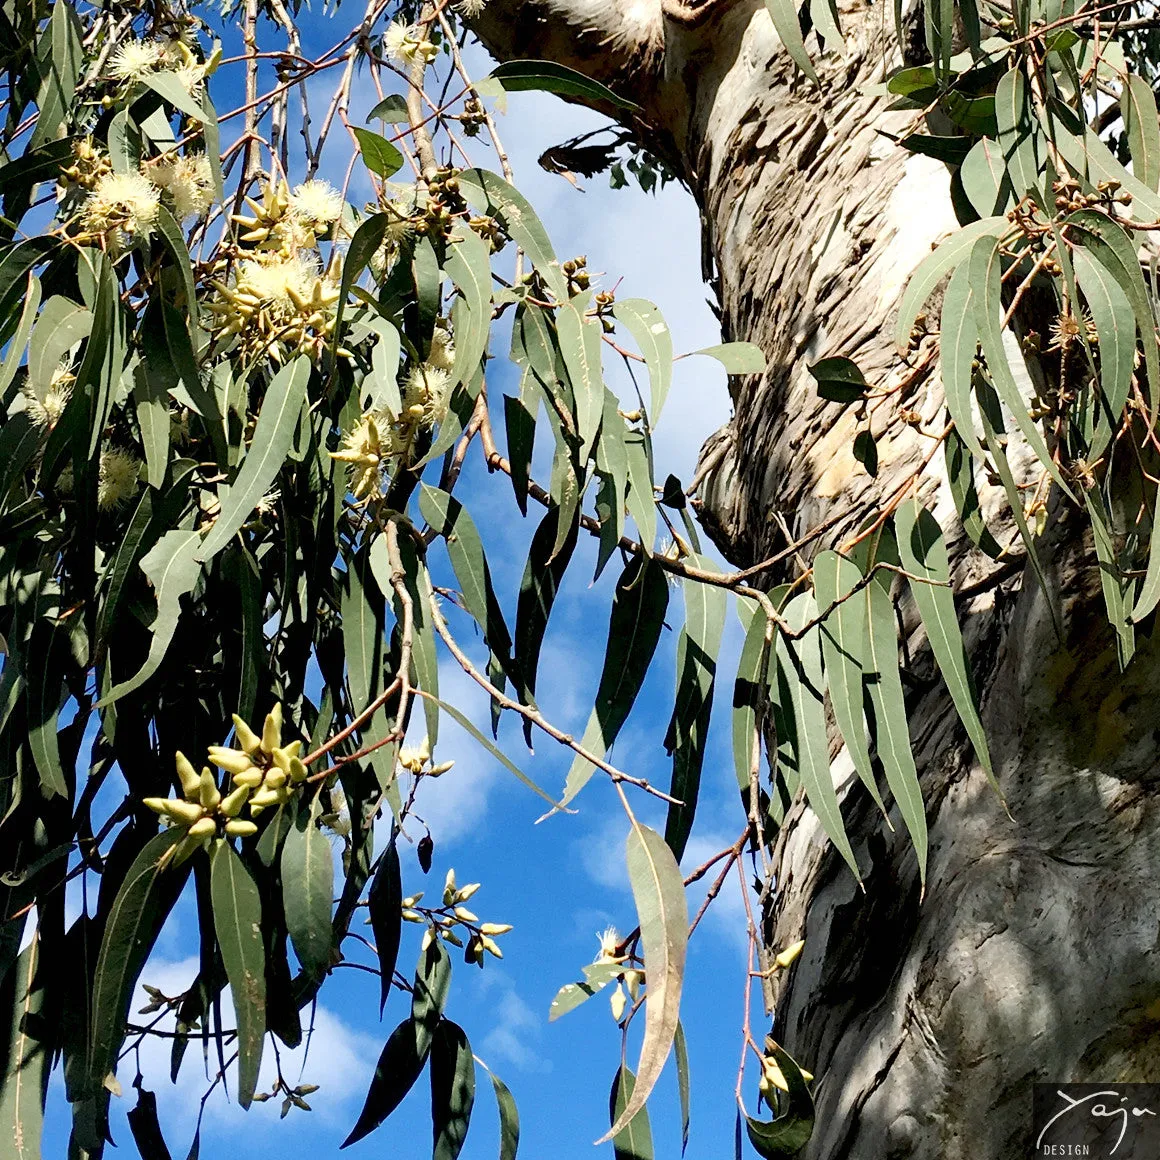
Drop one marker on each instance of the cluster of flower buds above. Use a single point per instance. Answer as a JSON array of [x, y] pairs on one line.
[[772, 1078], [612, 953], [203, 811], [267, 772], [473, 937], [418, 762], [89, 164]]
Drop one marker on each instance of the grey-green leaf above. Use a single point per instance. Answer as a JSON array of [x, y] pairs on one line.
[[237, 920], [647, 326], [884, 684], [549, 77], [800, 663], [633, 1141], [738, 358], [924, 554], [271, 442], [308, 890], [843, 632]]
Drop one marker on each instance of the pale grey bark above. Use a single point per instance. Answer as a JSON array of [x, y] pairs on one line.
[[1034, 953]]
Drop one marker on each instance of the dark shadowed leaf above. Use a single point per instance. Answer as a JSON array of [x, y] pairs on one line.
[[634, 627], [839, 380], [148, 891], [509, 1118], [697, 649], [385, 905], [452, 1089], [146, 1127]]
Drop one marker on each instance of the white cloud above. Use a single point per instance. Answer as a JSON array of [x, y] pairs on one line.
[[335, 1056], [516, 1035]]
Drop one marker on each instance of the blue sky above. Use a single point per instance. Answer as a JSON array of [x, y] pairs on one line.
[[559, 882]]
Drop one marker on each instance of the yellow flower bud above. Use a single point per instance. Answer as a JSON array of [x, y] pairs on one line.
[[184, 813], [203, 828], [240, 829], [298, 771], [247, 738], [190, 780], [440, 769], [451, 937], [250, 778], [272, 730], [157, 804], [412, 916], [449, 890], [274, 779], [787, 957], [208, 793], [494, 927], [231, 804], [465, 915], [231, 760], [465, 892], [618, 1001], [491, 947]]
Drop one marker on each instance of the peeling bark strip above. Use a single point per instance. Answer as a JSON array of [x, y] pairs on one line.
[[1033, 957]]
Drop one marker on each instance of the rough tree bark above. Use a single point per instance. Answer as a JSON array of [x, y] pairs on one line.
[[1034, 953]]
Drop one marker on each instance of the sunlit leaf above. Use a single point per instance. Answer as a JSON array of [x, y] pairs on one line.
[[634, 1140], [659, 893]]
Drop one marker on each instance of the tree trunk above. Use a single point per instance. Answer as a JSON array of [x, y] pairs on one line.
[[1033, 955]]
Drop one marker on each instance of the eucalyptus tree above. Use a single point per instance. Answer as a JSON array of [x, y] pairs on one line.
[[237, 545]]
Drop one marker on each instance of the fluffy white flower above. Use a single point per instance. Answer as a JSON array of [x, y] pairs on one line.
[[189, 183], [425, 395], [117, 477], [442, 354], [136, 59], [124, 202], [45, 412], [609, 942], [405, 43], [316, 202], [278, 281], [471, 8]]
